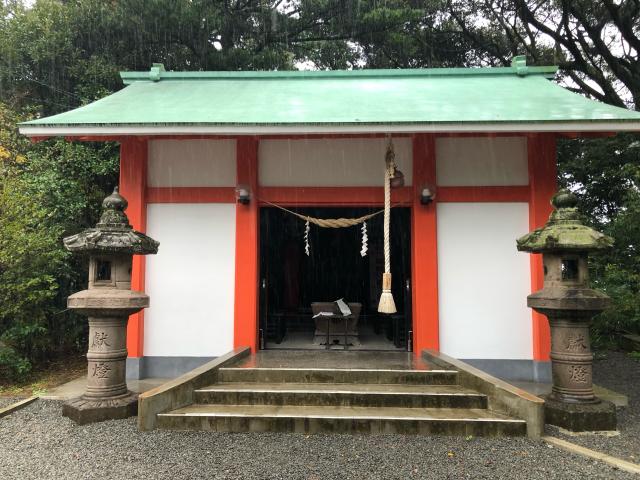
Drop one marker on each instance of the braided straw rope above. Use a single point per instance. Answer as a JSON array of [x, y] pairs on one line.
[[329, 222], [387, 218], [387, 304]]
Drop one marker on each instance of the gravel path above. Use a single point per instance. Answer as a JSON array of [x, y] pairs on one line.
[[37, 442], [621, 374], [6, 401]]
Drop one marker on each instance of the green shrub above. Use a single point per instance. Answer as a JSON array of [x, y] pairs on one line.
[[47, 191], [12, 366]]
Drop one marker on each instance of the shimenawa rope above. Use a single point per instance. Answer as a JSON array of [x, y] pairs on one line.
[[328, 222]]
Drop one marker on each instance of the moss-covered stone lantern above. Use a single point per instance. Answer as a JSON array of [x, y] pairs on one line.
[[108, 302], [569, 304]]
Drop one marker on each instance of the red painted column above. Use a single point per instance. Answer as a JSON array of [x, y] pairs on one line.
[[245, 332], [542, 186], [424, 248], [133, 185]]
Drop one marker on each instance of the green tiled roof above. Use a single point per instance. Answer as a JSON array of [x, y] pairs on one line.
[[519, 97]]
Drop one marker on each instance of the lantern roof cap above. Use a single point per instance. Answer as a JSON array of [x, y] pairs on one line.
[[564, 231], [113, 234]]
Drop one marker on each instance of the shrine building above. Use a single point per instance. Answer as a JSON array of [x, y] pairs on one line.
[[225, 168]]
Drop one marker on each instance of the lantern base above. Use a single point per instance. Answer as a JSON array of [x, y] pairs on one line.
[[580, 417], [83, 410]]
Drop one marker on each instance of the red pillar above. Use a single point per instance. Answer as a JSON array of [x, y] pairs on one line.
[[247, 267], [424, 248], [542, 186], [133, 185]]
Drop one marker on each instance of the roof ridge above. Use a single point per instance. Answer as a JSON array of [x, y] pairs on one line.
[[157, 73]]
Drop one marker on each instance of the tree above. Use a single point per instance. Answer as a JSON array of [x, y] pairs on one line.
[[47, 191], [594, 42]]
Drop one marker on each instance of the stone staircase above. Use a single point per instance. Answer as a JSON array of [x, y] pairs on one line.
[[424, 400]]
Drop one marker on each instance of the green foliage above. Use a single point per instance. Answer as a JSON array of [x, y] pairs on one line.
[[47, 190], [29, 260], [605, 173], [12, 365]]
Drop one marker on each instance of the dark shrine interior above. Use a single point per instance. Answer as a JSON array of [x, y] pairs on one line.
[[291, 281]]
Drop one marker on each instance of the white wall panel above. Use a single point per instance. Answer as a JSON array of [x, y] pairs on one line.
[[481, 161], [190, 280], [483, 281], [331, 162], [192, 163]]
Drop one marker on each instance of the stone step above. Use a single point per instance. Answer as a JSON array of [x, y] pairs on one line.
[[331, 419], [336, 375], [332, 394]]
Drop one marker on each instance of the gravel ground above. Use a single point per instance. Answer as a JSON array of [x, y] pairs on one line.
[[621, 374], [37, 442], [6, 401]]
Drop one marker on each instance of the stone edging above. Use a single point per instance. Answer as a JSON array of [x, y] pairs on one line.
[[502, 396], [178, 392], [16, 406], [586, 452]]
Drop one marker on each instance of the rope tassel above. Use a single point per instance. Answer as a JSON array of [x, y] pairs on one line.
[[387, 304], [307, 229]]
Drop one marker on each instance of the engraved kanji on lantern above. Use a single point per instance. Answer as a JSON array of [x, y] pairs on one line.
[[569, 303], [108, 302]]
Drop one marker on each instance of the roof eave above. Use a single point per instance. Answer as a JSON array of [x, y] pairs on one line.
[[287, 129]]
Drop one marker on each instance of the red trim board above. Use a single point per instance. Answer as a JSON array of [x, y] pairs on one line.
[[133, 181], [361, 196], [424, 249], [245, 327], [543, 184]]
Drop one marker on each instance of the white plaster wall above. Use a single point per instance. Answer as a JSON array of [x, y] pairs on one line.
[[481, 161], [331, 162], [190, 280], [192, 163], [483, 281]]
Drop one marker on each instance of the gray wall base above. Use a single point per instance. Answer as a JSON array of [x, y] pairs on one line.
[[162, 367], [171, 367], [134, 368], [514, 370]]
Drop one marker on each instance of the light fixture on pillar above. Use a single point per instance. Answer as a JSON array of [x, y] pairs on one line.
[[243, 195], [426, 195]]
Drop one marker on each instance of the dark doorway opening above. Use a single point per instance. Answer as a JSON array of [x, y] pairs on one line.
[[291, 281]]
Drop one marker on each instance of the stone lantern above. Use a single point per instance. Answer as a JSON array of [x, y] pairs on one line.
[[569, 304], [108, 302]]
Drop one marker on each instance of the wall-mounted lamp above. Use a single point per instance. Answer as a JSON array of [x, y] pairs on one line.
[[397, 180], [242, 194], [426, 196]]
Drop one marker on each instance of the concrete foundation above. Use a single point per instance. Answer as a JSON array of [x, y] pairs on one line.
[[170, 367], [514, 370], [84, 411], [580, 417]]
